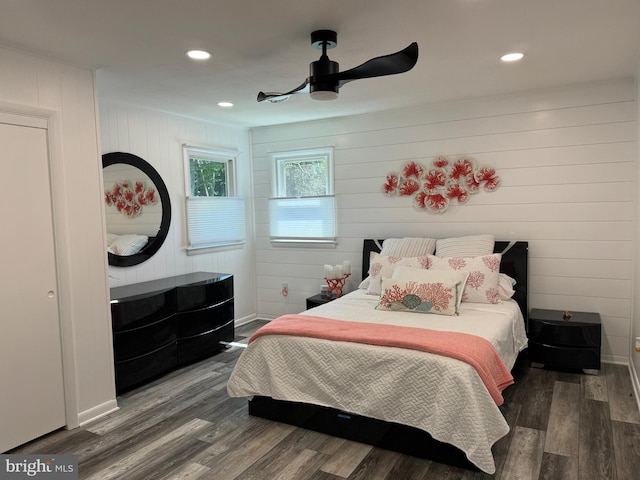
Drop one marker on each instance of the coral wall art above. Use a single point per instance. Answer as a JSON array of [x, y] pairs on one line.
[[129, 196], [433, 188]]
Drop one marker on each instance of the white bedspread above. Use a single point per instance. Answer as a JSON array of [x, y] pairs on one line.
[[440, 395]]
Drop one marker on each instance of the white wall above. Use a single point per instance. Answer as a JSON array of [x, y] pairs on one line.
[[635, 325], [66, 97], [567, 158], [157, 137]]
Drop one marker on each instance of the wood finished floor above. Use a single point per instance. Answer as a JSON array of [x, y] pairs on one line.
[[564, 425]]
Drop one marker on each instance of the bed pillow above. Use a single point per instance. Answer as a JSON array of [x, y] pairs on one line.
[[420, 297], [381, 266], [364, 284], [128, 244], [111, 237], [470, 246], [408, 247], [482, 283], [505, 286], [421, 275]]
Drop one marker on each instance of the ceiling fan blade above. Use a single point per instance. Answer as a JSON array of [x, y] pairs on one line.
[[398, 62], [275, 96]]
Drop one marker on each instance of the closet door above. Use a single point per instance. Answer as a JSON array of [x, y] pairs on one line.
[[31, 381]]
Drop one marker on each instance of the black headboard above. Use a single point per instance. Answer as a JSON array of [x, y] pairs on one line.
[[515, 263]]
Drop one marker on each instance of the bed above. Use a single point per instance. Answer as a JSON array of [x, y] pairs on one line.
[[412, 401]]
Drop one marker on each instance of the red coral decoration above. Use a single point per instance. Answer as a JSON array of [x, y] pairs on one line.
[[408, 187], [461, 168], [455, 191], [412, 169], [436, 202], [434, 188], [391, 186], [435, 178], [489, 177], [128, 197], [440, 162], [419, 200]]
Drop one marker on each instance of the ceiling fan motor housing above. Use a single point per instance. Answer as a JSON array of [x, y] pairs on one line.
[[322, 85]]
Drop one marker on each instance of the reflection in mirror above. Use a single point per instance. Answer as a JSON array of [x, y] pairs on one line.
[[137, 209]]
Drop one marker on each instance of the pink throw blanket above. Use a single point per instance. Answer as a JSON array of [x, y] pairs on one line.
[[474, 350]]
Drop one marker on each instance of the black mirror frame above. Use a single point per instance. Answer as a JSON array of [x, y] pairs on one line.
[[150, 249]]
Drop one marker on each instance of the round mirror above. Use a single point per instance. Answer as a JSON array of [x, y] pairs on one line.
[[137, 207]]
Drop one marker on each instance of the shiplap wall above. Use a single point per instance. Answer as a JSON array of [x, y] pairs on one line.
[[567, 161], [157, 137], [65, 96]]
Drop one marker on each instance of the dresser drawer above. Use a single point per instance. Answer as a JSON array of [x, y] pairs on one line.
[[204, 320], [138, 341], [566, 357], [132, 313], [205, 344], [196, 296], [140, 369], [567, 335]]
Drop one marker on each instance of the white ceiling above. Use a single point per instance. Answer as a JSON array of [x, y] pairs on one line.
[[138, 46]]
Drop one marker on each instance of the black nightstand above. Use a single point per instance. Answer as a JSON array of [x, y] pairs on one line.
[[319, 299], [562, 341]]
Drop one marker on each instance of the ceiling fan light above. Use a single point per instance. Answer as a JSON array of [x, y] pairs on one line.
[[324, 95]]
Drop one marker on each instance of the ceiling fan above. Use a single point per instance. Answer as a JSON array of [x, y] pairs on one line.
[[325, 79]]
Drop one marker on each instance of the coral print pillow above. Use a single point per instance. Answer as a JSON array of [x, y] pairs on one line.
[[484, 271], [411, 296], [382, 266]]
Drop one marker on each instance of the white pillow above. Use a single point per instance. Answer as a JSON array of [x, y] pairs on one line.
[[420, 275], [111, 237], [128, 244], [381, 266], [408, 247], [364, 284], [482, 282], [505, 286], [470, 246]]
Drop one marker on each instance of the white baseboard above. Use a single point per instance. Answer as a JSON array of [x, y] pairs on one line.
[[97, 412], [238, 322], [634, 381]]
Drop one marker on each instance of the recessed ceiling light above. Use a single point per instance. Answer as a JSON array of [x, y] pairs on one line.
[[225, 104], [512, 57], [198, 55]]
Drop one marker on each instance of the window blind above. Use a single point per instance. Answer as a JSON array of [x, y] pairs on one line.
[[215, 221], [302, 219]]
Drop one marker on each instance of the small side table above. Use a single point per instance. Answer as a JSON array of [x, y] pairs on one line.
[[319, 299], [562, 341]]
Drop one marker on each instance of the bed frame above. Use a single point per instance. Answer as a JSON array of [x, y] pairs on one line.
[[379, 433]]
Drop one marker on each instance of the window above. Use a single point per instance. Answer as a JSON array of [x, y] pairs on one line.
[[215, 216], [303, 206]]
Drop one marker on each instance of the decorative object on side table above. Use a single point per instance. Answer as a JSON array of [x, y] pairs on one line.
[[565, 339], [336, 277]]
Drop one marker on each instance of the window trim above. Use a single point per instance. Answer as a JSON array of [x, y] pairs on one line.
[[282, 157], [220, 155]]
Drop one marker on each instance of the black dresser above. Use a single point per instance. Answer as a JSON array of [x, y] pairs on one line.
[[162, 324]]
